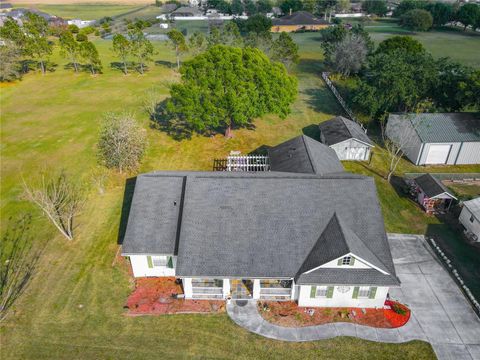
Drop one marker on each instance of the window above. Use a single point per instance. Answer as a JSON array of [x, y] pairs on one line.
[[159, 261], [346, 260], [321, 291], [364, 292]]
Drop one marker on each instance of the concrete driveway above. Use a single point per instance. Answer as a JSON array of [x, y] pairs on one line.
[[440, 312]]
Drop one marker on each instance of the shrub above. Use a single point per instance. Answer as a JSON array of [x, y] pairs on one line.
[[417, 20]]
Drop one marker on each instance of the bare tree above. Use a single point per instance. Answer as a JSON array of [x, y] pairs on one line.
[[399, 135], [350, 54], [59, 199], [150, 101], [122, 142], [18, 259]]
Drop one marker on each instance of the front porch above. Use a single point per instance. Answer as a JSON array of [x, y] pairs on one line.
[[238, 289]]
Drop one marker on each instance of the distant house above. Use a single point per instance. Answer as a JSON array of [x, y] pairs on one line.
[[470, 218], [347, 138], [432, 194], [305, 231], [4, 6], [438, 138], [300, 20], [81, 23]]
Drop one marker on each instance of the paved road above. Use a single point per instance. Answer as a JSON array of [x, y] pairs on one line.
[[440, 313]]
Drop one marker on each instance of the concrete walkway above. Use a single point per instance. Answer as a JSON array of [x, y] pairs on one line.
[[440, 313]]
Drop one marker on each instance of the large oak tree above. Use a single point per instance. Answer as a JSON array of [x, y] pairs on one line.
[[228, 87]]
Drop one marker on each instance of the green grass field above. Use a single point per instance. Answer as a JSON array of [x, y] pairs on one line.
[[92, 11], [73, 307]]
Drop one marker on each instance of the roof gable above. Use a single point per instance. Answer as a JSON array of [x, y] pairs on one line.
[[335, 241], [432, 187], [339, 129], [304, 155]]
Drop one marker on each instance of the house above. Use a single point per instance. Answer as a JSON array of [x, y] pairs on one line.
[[306, 233], [347, 138], [432, 194], [300, 20], [81, 23], [470, 218], [437, 138]]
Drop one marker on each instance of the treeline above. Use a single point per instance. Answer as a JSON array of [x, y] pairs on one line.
[[399, 74], [31, 45], [422, 15]]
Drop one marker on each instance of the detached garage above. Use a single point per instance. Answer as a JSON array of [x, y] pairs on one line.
[[437, 138]]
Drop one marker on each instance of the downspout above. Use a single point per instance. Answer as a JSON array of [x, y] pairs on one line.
[[419, 156]]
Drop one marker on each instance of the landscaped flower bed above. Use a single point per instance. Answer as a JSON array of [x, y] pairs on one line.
[[398, 314], [154, 296], [289, 314]]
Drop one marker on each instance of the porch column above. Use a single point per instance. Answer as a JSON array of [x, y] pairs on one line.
[[187, 287], [256, 289], [226, 288], [292, 293]]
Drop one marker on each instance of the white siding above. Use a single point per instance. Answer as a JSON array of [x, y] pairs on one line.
[[140, 267], [474, 226], [397, 126], [187, 287], [341, 299], [347, 150], [469, 153]]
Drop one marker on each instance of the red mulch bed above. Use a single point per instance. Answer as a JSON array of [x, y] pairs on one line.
[[153, 296], [289, 314]]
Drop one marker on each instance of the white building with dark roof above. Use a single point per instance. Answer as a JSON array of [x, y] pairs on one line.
[[304, 231], [470, 218], [347, 138], [437, 138]]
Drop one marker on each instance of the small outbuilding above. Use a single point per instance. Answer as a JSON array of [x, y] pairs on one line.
[[470, 219], [432, 194], [186, 11], [347, 138], [437, 138]]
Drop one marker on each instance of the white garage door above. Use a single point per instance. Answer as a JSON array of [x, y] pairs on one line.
[[438, 154]]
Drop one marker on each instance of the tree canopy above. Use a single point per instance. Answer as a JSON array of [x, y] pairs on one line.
[[469, 15], [417, 20], [377, 7], [228, 87]]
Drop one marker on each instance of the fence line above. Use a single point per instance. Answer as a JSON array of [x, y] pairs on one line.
[[340, 100]]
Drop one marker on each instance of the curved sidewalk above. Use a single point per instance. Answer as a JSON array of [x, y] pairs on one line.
[[248, 317]]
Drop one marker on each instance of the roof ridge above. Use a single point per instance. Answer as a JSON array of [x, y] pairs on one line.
[[314, 168], [342, 225], [346, 126]]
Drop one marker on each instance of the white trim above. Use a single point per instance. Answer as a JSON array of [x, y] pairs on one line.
[[446, 193], [354, 138], [346, 266]]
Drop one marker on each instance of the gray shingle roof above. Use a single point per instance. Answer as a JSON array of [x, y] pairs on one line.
[[474, 206], [154, 215], [431, 186], [445, 127], [340, 129], [304, 155], [299, 18], [331, 276]]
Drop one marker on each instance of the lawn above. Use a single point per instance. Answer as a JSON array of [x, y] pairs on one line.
[[93, 11], [73, 307]]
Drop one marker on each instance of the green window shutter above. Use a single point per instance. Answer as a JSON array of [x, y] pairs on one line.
[[355, 292], [330, 292], [313, 292], [339, 262], [352, 261], [170, 262], [373, 291], [150, 262]]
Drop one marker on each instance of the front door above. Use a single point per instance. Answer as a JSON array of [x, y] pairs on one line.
[[241, 289]]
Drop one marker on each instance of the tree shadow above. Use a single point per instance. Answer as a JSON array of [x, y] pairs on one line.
[[261, 150], [167, 64], [126, 205], [310, 66], [82, 68], [19, 256], [401, 187], [322, 100], [131, 66], [312, 131]]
